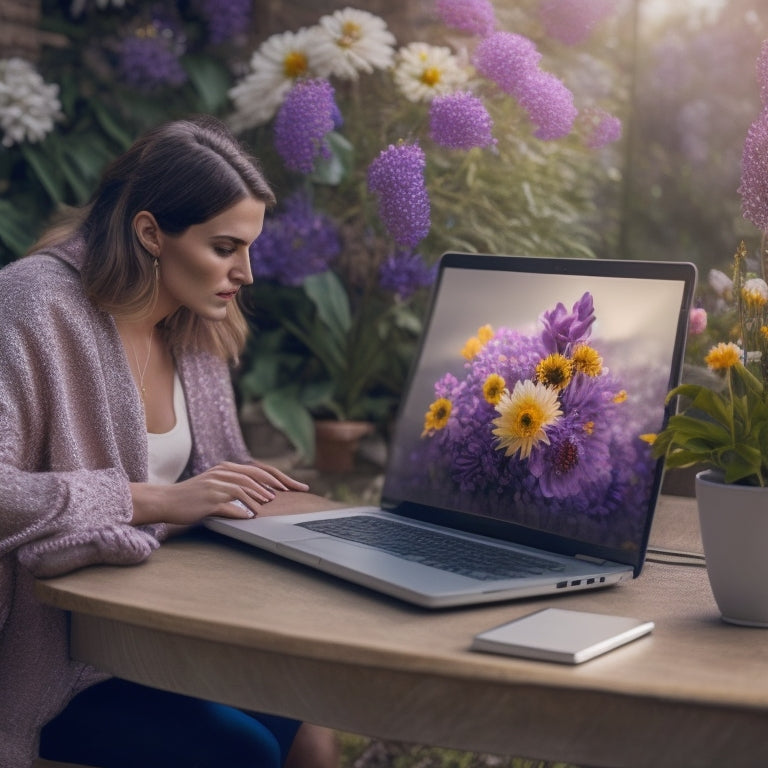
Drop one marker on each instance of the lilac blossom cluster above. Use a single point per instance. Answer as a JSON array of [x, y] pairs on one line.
[[572, 21], [308, 114], [512, 62], [754, 162], [404, 272], [591, 464], [600, 128], [477, 17], [397, 177], [225, 18], [149, 57], [460, 121], [295, 243]]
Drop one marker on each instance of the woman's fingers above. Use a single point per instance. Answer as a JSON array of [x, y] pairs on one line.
[[287, 483]]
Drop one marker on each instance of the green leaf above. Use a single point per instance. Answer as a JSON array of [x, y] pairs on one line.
[[46, 169], [750, 381], [286, 412], [329, 297], [210, 79], [110, 126], [14, 228], [334, 169]]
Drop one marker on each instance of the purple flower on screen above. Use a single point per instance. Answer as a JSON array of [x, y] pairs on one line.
[[149, 58], [477, 17], [225, 18], [508, 59], [562, 330], [295, 243], [754, 173], [303, 121], [460, 121], [397, 176], [600, 128], [549, 105], [403, 272], [572, 21]]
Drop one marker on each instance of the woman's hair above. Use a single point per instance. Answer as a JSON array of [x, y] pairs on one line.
[[183, 173]]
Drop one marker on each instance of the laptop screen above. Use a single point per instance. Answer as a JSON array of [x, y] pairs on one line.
[[532, 397]]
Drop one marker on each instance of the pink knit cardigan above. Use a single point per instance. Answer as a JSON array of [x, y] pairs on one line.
[[72, 438]]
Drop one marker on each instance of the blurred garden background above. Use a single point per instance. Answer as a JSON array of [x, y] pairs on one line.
[[626, 143], [637, 155]]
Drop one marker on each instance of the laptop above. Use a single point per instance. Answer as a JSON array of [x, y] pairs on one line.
[[520, 463]]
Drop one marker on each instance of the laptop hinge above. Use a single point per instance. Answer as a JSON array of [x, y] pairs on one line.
[[589, 559]]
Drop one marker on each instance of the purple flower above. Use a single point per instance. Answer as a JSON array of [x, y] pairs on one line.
[[562, 330], [460, 121], [507, 59], [397, 176], [403, 272], [754, 173], [572, 21], [512, 62], [549, 105], [149, 58], [226, 18], [303, 121], [762, 72], [294, 244], [601, 128], [474, 16]]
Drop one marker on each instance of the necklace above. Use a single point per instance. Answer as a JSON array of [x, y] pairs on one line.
[[141, 371]]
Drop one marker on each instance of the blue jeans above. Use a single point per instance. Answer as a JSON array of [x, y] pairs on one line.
[[118, 724]]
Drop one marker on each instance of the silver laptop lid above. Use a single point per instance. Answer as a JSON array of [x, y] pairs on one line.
[[536, 382]]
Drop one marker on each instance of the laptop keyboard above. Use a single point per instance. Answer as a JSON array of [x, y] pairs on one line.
[[437, 550]]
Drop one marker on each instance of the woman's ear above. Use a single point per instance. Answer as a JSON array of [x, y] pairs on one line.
[[148, 232]]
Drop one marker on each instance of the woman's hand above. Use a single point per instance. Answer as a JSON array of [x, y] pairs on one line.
[[228, 490]]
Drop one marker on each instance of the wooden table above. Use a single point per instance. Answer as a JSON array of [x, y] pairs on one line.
[[215, 619]]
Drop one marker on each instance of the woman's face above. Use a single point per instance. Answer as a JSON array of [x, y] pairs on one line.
[[204, 267]]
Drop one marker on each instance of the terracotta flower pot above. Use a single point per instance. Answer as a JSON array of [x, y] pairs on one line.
[[734, 531], [336, 443]]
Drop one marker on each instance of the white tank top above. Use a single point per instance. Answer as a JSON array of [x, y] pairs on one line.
[[169, 451]]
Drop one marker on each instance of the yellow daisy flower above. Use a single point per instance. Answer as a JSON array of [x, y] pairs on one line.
[[471, 348], [437, 416], [476, 343], [524, 416], [493, 388], [723, 356], [555, 371], [485, 333], [586, 360]]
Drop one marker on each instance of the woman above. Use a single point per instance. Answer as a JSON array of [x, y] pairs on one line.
[[117, 423]]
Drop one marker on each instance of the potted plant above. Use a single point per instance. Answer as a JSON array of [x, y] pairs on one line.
[[383, 154], [725, 427]]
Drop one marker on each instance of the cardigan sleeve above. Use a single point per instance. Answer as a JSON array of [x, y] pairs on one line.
[[69, 441]]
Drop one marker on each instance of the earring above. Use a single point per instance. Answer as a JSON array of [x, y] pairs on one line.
[[156, 265]]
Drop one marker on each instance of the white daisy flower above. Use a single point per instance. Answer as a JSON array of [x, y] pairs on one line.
[[424, 71], [354, 41], [28, 105], [758, 287], [279, 61]]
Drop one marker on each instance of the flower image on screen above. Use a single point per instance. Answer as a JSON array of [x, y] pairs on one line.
[[538, 411]]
